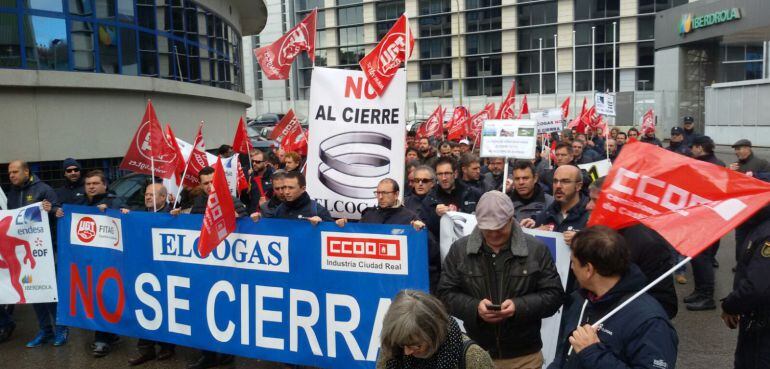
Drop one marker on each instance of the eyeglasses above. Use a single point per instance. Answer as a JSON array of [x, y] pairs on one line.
[[563, 181], [257, 161], [378, 193], [422, 180], [444, 174], [72, 170]]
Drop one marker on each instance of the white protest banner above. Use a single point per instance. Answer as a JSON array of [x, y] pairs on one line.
[[3, 200], [548, 120], [597, 169], [27, 273], [186, 148], [455, 225], [509, 138], [356, 139], [605, 104]]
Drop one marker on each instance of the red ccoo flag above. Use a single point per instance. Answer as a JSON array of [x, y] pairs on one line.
[[197, 160], [474, 129], [276, 58], [179, 168], [381, 64], [565, 108], [508, 107], [433, 126], [524, 107], [150, 148], [648, 121], [219, 219], [284, 126], [241, 141], [691, 203], [295, 139], [458, 125]]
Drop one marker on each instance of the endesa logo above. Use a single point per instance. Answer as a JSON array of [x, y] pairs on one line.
[[96, 231], [365, 253]]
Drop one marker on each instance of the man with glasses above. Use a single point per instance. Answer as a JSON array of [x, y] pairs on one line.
[[449, 195], [422, 182], [73, 189], [261, 181], [568, 211]]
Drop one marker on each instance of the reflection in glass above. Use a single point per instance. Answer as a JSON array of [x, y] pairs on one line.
[[81, 7], [128, 52], [10, 52], [108, 49], [105, 9], [126, 11], [82, 35], [50, 5], [46, 43]]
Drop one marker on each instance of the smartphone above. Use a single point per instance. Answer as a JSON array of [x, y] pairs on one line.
[[495, 307]]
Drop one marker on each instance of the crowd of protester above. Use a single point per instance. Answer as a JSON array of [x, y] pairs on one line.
[[499, 281]]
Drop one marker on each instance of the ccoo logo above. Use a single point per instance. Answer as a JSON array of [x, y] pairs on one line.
[[86, 229]]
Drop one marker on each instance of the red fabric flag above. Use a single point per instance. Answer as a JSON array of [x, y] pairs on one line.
[[691, 203], [648, 122], [150, 147], [474, 129], [295, 140], [283, 126], [381, 64], [565, 108], [179, 168], [241, 141], [433, 126], [197, 160], [276, 58], [243, 183], [458, 125], [508, 107], [219, 219], [524, 107]]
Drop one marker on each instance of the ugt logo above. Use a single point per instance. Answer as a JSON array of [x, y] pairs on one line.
[[388, 60], [292, 45], [144, 145], [86, 229]]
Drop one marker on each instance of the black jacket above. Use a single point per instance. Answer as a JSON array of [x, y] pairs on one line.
[[112, 201], [478, 184], [751, 287], [638, 336], [263, 182], [413, 202], [529, 278], [753, 164], [651, 253], [492, 182], [302, 207], [588, 156], [679, 148], [576, 219], [31, 192], [70, 192], [199, 205], [397, 215], [653, 141], [461, 196], [711, 158], [529, 208]]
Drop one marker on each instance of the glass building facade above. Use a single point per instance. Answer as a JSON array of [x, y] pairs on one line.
[[170, 39]]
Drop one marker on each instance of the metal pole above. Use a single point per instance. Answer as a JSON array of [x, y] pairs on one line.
[[556, 68], [178, 64], [540, 71], [459, 55], [574, 72], [593, 59], [614, 62], [505, 176]]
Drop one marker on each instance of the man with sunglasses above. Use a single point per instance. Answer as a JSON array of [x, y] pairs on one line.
[[72, 190], [423, 180], [261, 181]]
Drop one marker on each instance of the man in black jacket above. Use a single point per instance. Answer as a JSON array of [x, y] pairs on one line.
[[423, 180], [260, 181], [527, 195], [493, 178], [747, 161], [73, 189], [297, 203], [470, 172], [27, 189], [689, 130], [568, 210], [449, 195], [501, 283], [155, 200], [677, 144]]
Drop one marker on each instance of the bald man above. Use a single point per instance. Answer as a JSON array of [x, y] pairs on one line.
[[568, 210]]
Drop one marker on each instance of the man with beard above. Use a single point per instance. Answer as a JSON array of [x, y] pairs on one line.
[[470, 168], [564, 156], [620, 140], [261, 181], [612, 147], [449, 195], [72, 190], [445, 149], [427, 154], [568, 211], [676, 144], [493, 178], [528, 196], [649, 137]]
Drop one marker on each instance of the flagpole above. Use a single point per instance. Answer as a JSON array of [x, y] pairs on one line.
[[593, 59], [505, 175], [540, 71], [574, 74], [614, 61], [152, 171], [556, 68]]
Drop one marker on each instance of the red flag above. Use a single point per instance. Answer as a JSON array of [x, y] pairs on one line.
[[691, 203], [283, 126], [458, 125], [241, 141], [243, 183], [381, 64], [648, 122], [433, 126], [276, 58], [197, 160], [150, 147], [565, 108], [474, 130], [524, 107], [295, 140], [509, 104], [219, 219], [179, 167]]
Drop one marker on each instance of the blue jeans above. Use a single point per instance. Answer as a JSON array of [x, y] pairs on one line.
[[46, 316]]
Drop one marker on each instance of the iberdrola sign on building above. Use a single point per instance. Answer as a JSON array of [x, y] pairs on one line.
[[690, 23]]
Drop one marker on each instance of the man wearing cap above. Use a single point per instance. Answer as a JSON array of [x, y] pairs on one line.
[[747, 162], [501, 282], [689, 130], [72, 190], [649, 137], [677, 144]]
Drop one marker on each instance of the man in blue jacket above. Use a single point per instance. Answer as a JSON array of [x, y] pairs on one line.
[[637, 336]]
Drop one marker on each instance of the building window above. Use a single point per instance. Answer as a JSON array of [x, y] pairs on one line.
[[484, 75], [436, 25], [652, 6], [645, 79], [436, 88], [594, 9], [603, 32], [483, 43], [529, 38], [483, 20], [529, 62], [46, 43], [10, 52], [351, 35], [646, 53], [488, 86], [351, 55], [530, 84], [303, 5], [541, 13], [389, 10], [350, 15], [646, 28], [473, 4], [434, 6], [435, 47], [436, 69]]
